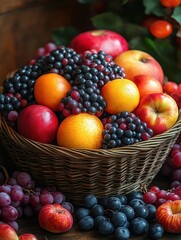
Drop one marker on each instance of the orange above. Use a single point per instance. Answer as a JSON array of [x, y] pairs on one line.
[[80, 131], [120, 95], [49, 89]]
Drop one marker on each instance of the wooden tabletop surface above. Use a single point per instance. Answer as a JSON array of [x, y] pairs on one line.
[[31, 226]]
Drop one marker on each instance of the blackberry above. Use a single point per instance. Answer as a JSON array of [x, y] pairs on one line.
[[124, 129], [63, 60], [95, 70], [21, 84]]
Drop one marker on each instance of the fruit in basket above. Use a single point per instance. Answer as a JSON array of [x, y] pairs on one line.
[[80, 131], [147, 84], [49, 89], [21, 84], [110, 42], [96, 70], [38, 123], [27, 236], [159, 111], [55, 218], [120, 95], [136, 62], [124, 129], [7, 232], [169, 216]]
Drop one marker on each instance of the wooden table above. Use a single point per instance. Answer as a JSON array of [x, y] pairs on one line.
[[31, 225]]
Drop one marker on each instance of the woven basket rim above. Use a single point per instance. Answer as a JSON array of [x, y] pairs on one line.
[[173, 130]]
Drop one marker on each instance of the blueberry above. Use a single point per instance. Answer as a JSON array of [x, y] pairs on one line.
[[136, 202], [82, 213], [128, 211], [105, 228], [151, 212], [134, 194], [113, 203], [122, 198], [141, 211], [121, 233], [97, 210], [98, 220], [86, 223], [156, 231], [119, 219], [138, 226], [90, 200]]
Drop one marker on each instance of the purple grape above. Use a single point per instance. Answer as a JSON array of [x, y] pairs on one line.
[[46, 198], [34, 200], [23, 179], [17, 195], [14, 225], [5, 188], [58, 197], [5, 199], [68, 206], [9, 213]]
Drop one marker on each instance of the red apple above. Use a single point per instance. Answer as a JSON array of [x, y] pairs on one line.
[[7, 232], [38, 123], [27, 236], [55, 218], [136, 62], [110, 42], [159, 111], [169, 216], [147, 84]]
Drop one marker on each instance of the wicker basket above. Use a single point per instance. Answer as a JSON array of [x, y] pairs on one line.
[[77, 172]]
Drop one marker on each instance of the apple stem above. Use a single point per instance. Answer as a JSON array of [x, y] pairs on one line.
[[144, 60]]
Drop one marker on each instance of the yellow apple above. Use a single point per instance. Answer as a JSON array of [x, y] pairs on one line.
[[136, 62]]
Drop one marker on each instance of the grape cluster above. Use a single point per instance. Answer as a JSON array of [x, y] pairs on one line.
[[94, 71], [121, 216], [172, 165], [20, 197], [156, 196], [18, 91], [124, 129], [63, 60]]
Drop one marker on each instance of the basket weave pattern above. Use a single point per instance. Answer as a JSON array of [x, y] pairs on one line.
[[77, 172]]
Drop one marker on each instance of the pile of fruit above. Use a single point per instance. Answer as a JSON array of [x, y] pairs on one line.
[[117, 98], [91, 98]]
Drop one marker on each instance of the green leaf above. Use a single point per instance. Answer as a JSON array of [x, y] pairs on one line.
[[108, 20], [153, 7], [114, 22], [177, 14], [63, 35]]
